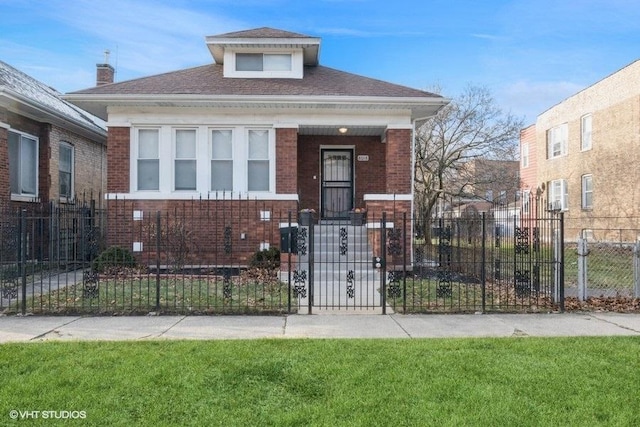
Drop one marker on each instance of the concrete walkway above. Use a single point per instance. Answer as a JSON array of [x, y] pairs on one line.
[[328, 325]]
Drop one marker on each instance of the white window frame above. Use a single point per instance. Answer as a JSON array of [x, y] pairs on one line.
[[296, 71], [66, 146], [270, 158], [234, 153], [557, 141], [21, 195], [558, 195], [587, 179], [175, 158], [525, 155], [135, 159], [166, 162], [586, 132]]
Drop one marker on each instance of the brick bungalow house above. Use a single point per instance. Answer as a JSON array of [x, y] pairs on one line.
[[49, 148], [52, 154], [263, 125]]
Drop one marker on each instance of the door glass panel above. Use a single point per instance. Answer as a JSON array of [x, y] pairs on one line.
[[337, 183]]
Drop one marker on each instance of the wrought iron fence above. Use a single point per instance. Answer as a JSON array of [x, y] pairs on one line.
[[243, 256]]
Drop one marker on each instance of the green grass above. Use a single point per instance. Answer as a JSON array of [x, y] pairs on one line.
[[178, 295], [513, 381]]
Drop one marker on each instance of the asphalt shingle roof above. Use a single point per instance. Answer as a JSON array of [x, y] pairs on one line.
[[39, 93], [209, 80]]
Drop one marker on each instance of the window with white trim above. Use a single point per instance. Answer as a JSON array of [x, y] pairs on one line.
[[65, 170], [185, 163], [587, 191], [525, 155], [23, 164], [258, 160], [263, 62], [585, 132], [557, 141], [558, 195], [148, 160], [221, 160]]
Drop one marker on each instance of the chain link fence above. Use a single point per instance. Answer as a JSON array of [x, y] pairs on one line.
[[603, 263]]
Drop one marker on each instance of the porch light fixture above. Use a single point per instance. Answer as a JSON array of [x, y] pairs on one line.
[[343, 130]]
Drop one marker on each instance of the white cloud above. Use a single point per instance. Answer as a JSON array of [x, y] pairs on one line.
[[144, 37]]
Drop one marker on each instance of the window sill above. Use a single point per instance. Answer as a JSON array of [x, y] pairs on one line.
[[20, 198]]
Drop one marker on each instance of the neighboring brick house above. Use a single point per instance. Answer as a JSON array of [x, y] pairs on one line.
[[582, 155], [50, 150], [263, 124]]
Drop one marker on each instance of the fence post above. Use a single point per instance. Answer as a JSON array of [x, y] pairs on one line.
[[158, 239], [311, 269], [22, 254], [636, 269], [583, 251], [290, 237], [383, 269], [556, 265], [483, 268]]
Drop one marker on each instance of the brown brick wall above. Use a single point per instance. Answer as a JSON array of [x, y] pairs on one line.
[[118, 141], [398, 167], [286, 161], [369, 175], [202, 223]]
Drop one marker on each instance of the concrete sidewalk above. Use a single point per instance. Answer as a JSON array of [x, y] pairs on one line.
[[37, 328]]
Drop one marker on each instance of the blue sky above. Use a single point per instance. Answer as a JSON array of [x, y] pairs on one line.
[[530, 54]]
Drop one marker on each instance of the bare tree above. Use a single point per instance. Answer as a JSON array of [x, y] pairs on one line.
[[470, 127]]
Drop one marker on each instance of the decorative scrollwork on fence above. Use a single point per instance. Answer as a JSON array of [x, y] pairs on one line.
[[9, 284], [302, 240], [393, 288], [522, 240], [522, 283], [227, 291], [299, 283], [351, 284], [90, 282], [444, 288], [394, 239], [344, 243]]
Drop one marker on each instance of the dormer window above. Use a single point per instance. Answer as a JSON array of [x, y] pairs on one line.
[[263, 62]]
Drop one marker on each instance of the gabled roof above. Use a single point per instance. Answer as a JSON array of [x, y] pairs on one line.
[[264, 37], [264, 32], [25, 95]]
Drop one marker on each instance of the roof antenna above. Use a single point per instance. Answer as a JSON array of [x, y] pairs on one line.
[[106, 56]]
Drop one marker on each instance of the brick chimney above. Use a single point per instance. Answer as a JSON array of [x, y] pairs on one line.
[[104, 74]]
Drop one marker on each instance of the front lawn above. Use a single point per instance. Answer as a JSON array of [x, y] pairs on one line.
[[514, 381]]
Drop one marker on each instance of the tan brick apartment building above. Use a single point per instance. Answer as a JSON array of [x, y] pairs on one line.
[[582, 155], [264, 124]]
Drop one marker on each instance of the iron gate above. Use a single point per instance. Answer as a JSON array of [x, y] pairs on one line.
[[483, 263]]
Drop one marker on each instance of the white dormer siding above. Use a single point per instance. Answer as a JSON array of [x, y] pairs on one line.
[[263, 63]]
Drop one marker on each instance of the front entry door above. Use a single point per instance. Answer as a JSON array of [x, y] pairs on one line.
[[337, 183]]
